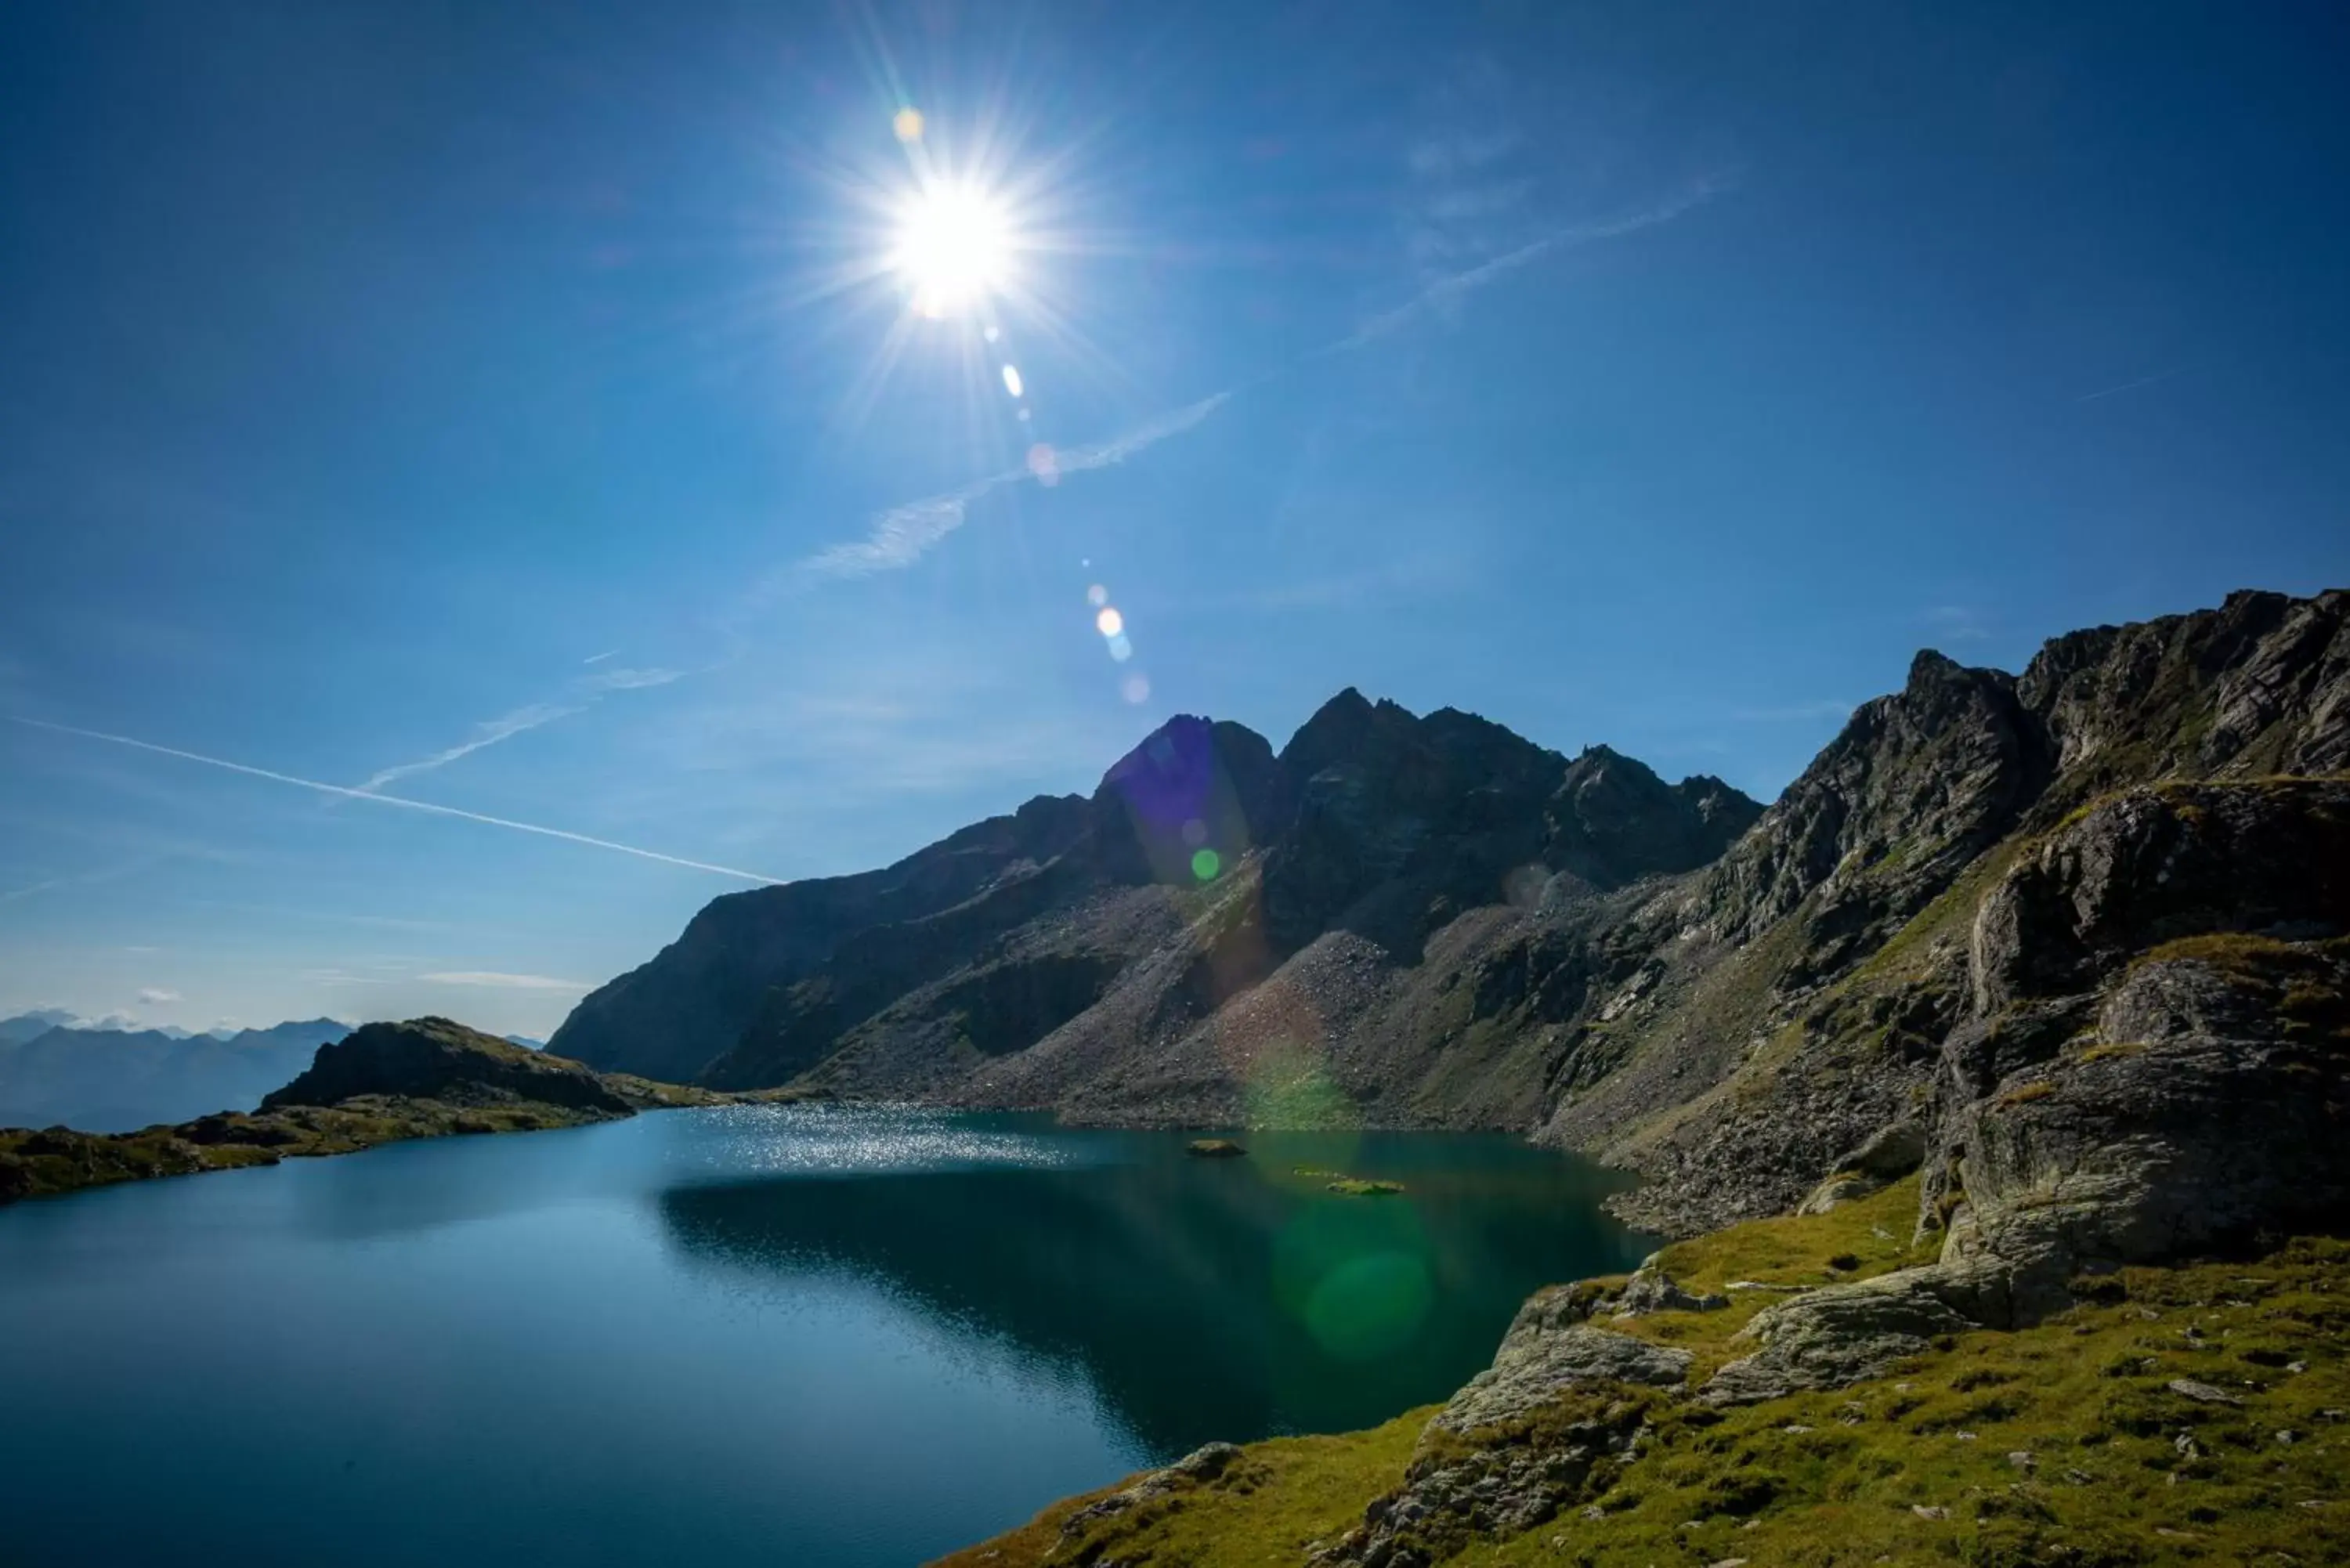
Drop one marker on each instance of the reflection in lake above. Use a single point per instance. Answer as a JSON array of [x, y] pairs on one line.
[[1204, 1299], [845, 1335]]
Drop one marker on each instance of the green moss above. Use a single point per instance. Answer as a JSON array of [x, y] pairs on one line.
[[1357, 1187], [1286, 1494]]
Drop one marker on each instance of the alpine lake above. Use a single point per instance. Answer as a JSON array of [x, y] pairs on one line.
[[820, 1334]]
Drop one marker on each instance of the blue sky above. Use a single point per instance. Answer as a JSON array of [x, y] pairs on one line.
[[384, 382]]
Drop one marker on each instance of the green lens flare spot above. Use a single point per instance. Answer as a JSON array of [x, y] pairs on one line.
[[1369, 1307], [1205, 864]]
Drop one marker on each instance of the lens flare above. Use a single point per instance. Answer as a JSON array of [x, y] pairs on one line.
[[1110, 623], [952, 249], [1011, 380]]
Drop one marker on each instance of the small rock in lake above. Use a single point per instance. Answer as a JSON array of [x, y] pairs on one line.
[[1215, 1148]]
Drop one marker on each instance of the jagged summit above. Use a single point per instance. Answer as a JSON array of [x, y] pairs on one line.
[[1371, 820]]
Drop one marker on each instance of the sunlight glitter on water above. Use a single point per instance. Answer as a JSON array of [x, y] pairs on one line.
[[863, 1140]]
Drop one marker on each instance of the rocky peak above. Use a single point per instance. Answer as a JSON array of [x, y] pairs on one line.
[[1344, 729], [2259, 685], [1612, 820], [1193, 784], [1916, 786], [437, 1059]]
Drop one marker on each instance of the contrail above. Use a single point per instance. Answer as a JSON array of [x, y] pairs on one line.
[[347, 793]]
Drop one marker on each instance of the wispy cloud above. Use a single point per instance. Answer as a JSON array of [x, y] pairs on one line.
[[585, 693], [496, 980], [489, 732], [346, 793], [600, 657], [156, 996], [628, 680], [2131, 386], [1448, 290], [900, 536], [903, 534]]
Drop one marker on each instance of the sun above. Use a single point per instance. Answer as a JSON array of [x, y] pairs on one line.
[[952, 248]]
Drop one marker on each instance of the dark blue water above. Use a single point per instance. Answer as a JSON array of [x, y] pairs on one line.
[[809, 1336]]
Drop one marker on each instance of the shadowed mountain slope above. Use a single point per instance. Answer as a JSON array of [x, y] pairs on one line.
[[1218, 932], [1412, 920]]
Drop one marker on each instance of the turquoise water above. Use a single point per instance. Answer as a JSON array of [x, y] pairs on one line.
[[809, 1336]]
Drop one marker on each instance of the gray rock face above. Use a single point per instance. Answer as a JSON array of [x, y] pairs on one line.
[[1534, 1366], [1821, 964], [1202, 1467], [2157, 1063], [1501, 1458], [1840, 1335]]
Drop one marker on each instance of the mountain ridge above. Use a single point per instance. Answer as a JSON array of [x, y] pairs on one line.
[[1427, 921], [118, 1080]]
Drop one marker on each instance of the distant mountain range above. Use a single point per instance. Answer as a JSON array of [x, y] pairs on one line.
[[54, 1071]]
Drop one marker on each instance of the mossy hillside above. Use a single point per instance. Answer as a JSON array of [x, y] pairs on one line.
[[2062, 1444], [1284, 1495], [1763, 1262]]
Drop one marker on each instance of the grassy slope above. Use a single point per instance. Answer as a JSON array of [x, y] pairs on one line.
[[1287, 1494], [1840, 1478]]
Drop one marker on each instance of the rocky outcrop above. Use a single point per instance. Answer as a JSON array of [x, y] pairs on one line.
[[2155, 1064], [1535, 1433], [1808, 981], [435, 1059], [2159, 1054]]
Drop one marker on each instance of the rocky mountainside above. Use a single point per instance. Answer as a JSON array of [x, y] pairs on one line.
[[1218, 933], [114, 1080], [1431, 921], [2078, 1300]]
